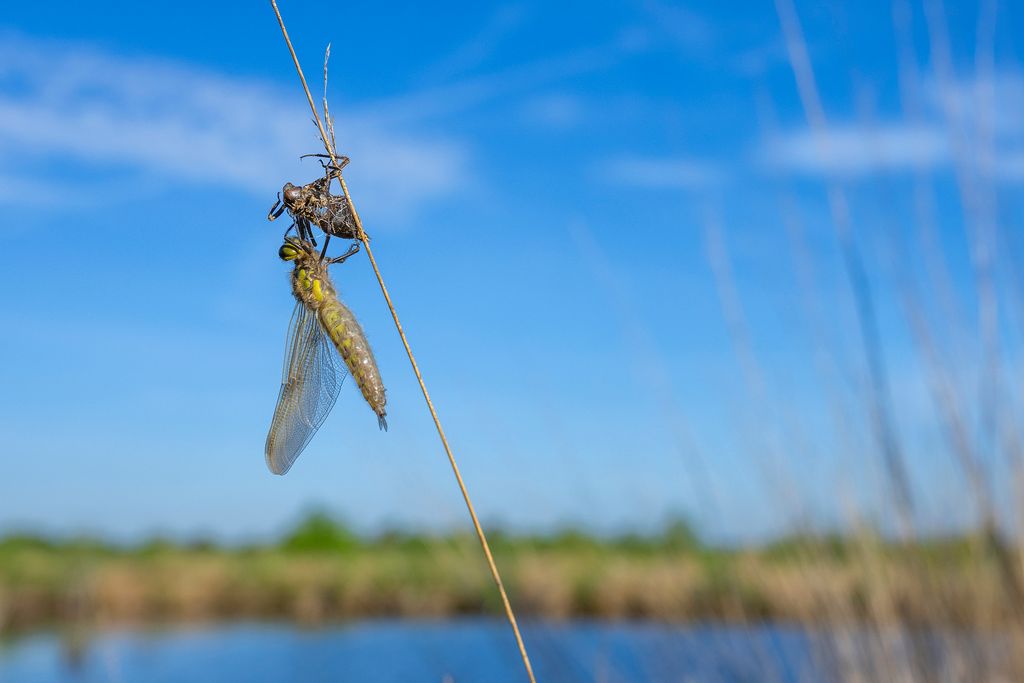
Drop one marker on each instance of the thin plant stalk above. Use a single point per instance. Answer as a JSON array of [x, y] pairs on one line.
[[509, 614], [879, 401]]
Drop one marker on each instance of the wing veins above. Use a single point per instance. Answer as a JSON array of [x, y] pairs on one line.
[[310, 384]]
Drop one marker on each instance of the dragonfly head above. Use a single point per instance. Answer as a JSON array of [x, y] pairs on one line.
[[290, 250]]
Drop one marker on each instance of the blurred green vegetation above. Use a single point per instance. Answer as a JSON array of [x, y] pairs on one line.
[[322, 570], [321, 532]]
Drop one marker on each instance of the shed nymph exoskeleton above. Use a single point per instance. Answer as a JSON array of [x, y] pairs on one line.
[[313, 204]]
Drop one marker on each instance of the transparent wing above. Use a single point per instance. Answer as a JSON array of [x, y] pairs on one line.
[[312, 378]]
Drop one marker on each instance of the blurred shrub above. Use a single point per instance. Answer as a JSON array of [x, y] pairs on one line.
[[320, 533]]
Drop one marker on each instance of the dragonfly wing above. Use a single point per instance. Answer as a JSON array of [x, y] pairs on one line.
[[310, 385]]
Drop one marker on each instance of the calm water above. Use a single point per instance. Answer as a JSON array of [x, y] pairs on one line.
[[468, 650]]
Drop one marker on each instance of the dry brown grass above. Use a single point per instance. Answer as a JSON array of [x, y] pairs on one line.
[[37, 586]]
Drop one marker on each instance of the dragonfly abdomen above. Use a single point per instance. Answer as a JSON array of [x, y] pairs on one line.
[[348, 337]]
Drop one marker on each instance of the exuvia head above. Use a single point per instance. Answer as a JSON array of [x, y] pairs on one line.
[[291, 193]]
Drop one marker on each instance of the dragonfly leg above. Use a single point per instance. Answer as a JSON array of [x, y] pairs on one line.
[[331, 170], [277, 209], [342, 161], [336, 170], [305, 232], [352, 251]]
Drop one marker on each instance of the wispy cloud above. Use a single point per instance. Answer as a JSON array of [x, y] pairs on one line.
[[557, 110], [472, 53], [521, 78], [856, 149], [660, 173], [1011, 167], [189, 124], [756, 60], [685, 27], [949, 130]]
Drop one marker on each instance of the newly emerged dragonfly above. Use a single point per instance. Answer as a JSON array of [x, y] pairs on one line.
[[313, 204], [325, 342]]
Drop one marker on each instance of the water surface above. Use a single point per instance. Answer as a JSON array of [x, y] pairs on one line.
[[402, 651]]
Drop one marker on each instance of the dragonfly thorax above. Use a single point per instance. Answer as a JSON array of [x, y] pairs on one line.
[[309, 287], [310, 282]]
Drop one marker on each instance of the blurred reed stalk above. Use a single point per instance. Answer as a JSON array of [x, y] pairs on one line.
[[332, 152], [980, 223], [879, 403], [655, 372]]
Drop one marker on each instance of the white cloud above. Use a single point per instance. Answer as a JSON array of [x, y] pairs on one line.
[[553, 111], [949, 130], [190, 124], [856, 149], [660, 173]]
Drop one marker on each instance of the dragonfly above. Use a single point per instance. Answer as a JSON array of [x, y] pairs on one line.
[[324, 344], [313, 204]]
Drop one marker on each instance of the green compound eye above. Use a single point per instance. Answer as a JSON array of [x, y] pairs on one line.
[[288, 252]]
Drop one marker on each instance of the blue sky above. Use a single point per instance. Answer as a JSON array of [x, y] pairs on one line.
[[607, 231]]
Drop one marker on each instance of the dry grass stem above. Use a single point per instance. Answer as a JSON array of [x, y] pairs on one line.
[[328, 141]]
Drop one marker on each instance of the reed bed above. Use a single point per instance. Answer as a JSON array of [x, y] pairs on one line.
[[812, 582]]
